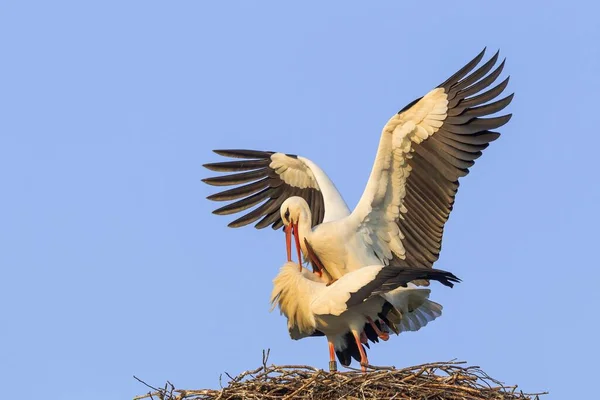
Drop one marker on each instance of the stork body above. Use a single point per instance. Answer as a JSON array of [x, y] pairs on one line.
[[399, 220], [354, 300]]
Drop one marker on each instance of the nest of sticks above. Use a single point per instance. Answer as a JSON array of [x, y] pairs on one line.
[[451, 380]]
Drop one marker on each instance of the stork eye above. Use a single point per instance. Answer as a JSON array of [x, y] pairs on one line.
[[287, 214]]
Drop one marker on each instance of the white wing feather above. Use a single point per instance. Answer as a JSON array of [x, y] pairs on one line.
[[375, 217], [331, 300], [293, 171], [302, 173]]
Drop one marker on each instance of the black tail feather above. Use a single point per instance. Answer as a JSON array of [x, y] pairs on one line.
[[370, 332], [351, 351]]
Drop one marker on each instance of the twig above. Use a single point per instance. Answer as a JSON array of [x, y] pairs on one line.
[[435, 381], [144, 383], [301, 388]]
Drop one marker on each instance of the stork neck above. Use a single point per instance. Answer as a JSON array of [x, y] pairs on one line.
[[304, 226], [335, 206]]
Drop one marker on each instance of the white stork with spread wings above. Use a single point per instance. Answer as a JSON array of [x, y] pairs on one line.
[[310, 304], [423, 151]]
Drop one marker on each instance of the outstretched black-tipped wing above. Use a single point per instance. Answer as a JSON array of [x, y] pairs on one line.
[[391, 277], [438, 162], [264, 179], [424, 150]]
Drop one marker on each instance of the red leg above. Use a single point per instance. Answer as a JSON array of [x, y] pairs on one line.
[[363, 356], [382, 335], [332, 362]]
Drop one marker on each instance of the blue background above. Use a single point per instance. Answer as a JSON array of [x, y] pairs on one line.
[[113, 265]]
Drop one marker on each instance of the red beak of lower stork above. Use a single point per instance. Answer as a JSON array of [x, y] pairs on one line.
[[292, 229]]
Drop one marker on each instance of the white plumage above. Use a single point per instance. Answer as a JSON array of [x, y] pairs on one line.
[[423, 151], [353, 301], [400, 217]]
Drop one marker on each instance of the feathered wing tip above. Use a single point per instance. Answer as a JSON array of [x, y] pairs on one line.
[[444, 277], [468, 116], [394, 276]]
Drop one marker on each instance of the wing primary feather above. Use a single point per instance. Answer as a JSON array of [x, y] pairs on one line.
[[478, 125], [490, 108], [482, 84], [244, 203], [244, 220], [478, 74], [454, 153], [236, 179], [477, 138], [392, 276], [482, 98], [268, 219], [404, 275], [271, 213], [480, 111], [277, 224], [241, 191], [247, 154], [236, 166], [449, 155], [469, 148], [464, 70], [253, 215]]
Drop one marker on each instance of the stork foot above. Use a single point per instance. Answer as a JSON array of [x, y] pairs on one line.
[[333, 366], [363, 366], [382, 335]]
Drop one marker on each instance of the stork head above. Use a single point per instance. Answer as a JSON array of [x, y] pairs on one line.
[[292, 210]]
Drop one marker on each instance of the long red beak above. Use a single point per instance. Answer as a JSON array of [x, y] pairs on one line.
[[292, 229], [288, 241]]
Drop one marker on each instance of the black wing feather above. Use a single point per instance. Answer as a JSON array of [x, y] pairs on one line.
[[391, 277], [262, 187], [439, 161]]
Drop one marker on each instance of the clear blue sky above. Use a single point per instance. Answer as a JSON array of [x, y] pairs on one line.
[[113, 265]]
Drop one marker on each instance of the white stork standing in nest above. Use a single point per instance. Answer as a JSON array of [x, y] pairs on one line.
[[400, 218], [355, 300]]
